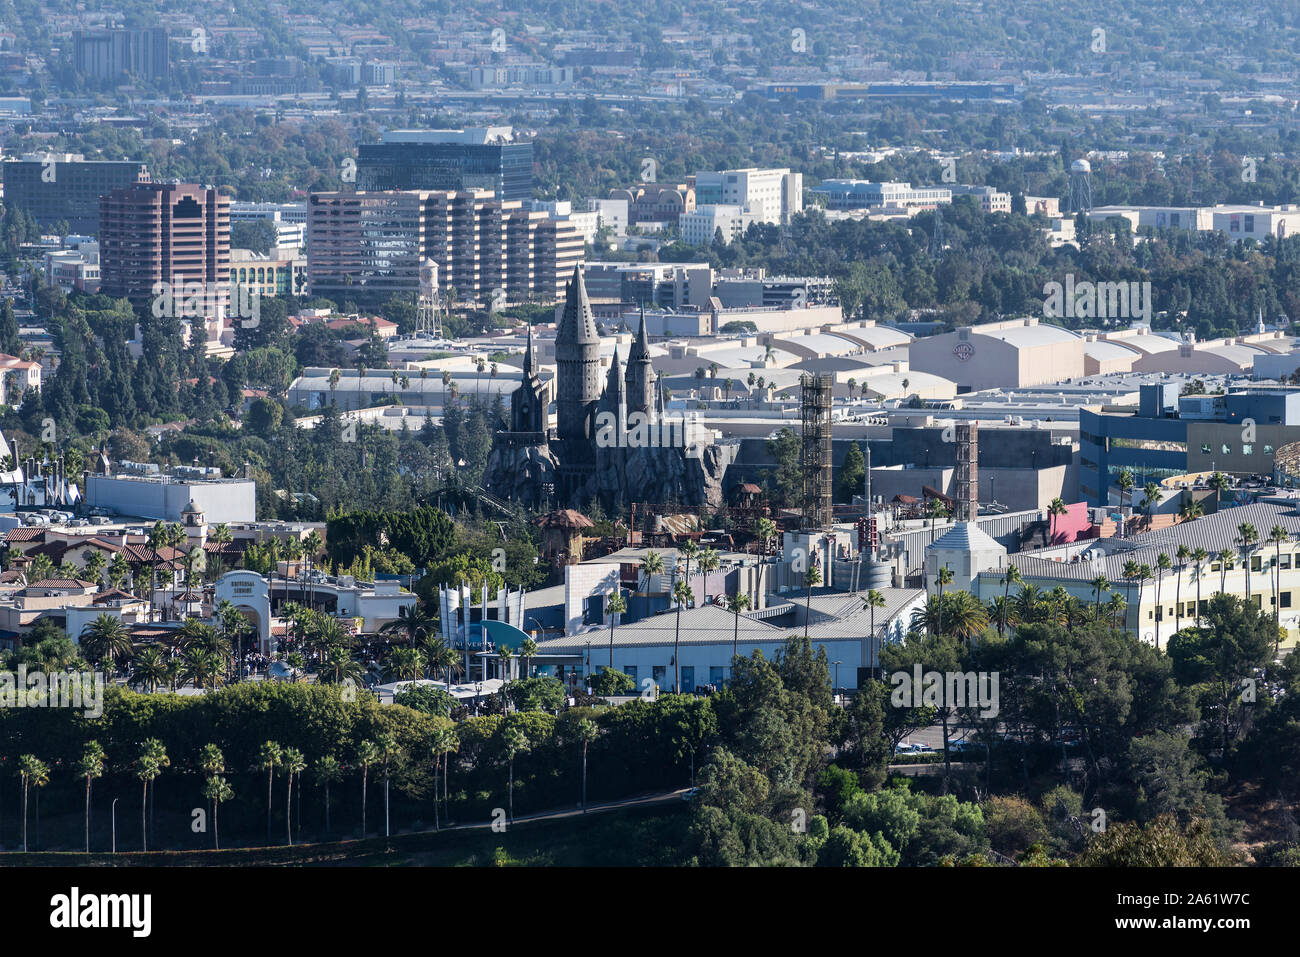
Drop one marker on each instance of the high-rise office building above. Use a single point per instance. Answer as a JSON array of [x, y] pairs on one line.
[[472, 159], [369, 246], [177, 234], [116, 54], [65, 187]]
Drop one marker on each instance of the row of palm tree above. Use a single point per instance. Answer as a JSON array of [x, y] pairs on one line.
[[381, 752]]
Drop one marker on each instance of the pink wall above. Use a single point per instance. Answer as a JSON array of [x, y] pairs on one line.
[[1071, 526]]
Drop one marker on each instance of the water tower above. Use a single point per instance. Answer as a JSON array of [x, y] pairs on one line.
[[428, 317], [1080, 186]]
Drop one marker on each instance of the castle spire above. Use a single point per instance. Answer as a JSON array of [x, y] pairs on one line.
[[640, 374], [530, 359]]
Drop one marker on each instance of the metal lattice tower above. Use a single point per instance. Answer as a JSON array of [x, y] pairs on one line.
[[968, 449], [815, 452]]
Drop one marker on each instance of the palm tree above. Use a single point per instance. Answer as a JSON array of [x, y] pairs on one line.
[[328, 771], [1150, 499], [513, 744], [157, 754], [1130, 572], [233, 626], [268, 756], [617, 605], [202, 667], [652, 563], [1220, 483], [36, 773], [1249, 536], [585, 732], [1190, 510], [146, 769], [403, 664], [873, 601], [1225, 559], [1199, 556], [293, 763], [442, 743], [95, 563], [439, 656], [216, 790], [175, 539], [1009, 578], [709, 561], [311, 548], [41, 568], [944, 577], [504, 655], [688, 550], [1143, 573], [528, 651], [1100, 584], [739, 603], [150, 669], [1125, 483], [681, 595], [1115, 608], [1056, 509], [91, 766], [338, 667], [811, 578], [367, 754], [1163, 563], [1181, 555], [213, 763], [106, 640], [1277, 535], [118, 571], [411, 621]]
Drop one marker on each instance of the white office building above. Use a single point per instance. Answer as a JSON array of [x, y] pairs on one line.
[[770, 195]]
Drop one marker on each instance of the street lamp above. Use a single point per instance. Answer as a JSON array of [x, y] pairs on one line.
[[835, 690], [115, 800]]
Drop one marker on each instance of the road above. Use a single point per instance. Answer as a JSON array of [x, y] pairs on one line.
[[641, 800]]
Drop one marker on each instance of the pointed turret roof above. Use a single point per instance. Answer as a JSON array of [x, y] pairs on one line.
[[530, 359], [577, 324], [640, 351], [615, 380]]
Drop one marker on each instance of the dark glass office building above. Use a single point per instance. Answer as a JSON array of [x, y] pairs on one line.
[[439, 161], [63, 187]]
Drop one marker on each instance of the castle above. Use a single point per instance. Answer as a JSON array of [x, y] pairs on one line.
[[613, 442]]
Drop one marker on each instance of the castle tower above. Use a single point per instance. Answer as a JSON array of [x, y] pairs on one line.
[[614, 399], [640, 375], [577, 360], [528, 403]]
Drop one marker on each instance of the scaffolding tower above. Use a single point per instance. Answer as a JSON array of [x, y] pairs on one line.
[[815, 451], [968, 482]]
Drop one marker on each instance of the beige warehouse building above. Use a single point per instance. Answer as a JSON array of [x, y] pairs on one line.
[[1014, 353]]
